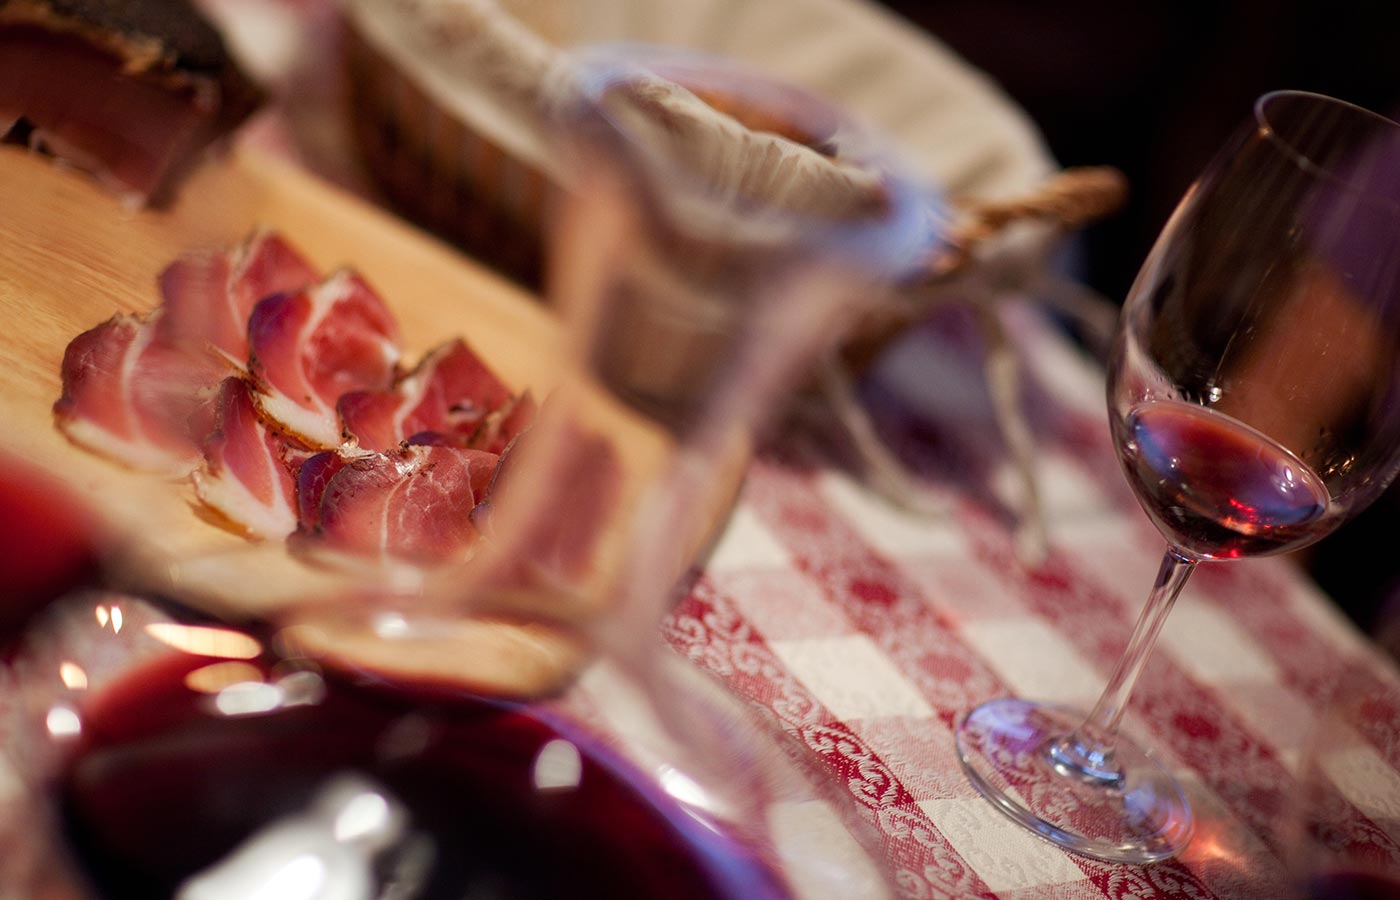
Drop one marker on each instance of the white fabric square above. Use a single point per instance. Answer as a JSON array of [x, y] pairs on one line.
[[1006, 856], [1033, 659], [851, 677], [1324, 618], [1066, 492], [1206, 642], [963, 590], [824, 860], [1104, 554], [747, 544], [1280, 716], [1367, 780], [782, 604], [893, 531]]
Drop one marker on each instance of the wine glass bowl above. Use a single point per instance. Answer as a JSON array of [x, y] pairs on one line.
[[1254, 400], [182, 758], [1263, 323]]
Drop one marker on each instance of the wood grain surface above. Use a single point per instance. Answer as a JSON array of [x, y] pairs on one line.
[[71, 256]]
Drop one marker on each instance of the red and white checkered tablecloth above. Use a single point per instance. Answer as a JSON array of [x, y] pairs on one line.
[[867, 632]]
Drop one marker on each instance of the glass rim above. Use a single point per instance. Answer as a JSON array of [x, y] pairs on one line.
[[1265, 129], [914, 216]]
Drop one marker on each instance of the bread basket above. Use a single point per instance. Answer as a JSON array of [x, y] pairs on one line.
[[451, 102]]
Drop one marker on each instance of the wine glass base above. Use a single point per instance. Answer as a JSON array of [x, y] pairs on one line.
[[1005, 749]]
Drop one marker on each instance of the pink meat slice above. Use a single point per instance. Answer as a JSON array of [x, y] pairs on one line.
[[450, 392], [132, 398], [247, 473], [208, 297], [312, 478], [414, 503], [308, 348]]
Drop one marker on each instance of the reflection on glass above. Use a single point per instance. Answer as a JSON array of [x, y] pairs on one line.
[[1254, 399]]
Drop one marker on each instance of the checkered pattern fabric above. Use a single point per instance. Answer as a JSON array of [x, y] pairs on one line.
[[867, 632]]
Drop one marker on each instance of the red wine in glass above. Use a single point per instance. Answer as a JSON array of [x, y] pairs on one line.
[[1221, 489], [164, 786]]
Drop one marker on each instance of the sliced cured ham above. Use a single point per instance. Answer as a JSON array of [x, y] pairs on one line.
[[319, 437], [208, 297], [493, 434], [140, 390], [312, 478], [130, 397], [309, 348], [247, 477], [451, 392], [414, 503]]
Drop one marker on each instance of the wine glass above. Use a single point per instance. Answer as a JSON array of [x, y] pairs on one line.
[[1254, 399], [697, 278], [705, 257]]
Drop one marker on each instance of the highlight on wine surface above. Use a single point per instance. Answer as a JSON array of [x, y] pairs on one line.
[[1217, 488]]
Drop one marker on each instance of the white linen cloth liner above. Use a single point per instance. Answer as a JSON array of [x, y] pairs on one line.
[[495, 64]]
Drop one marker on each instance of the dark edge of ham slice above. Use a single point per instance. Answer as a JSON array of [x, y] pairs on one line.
[[502, 426], [312, 478]]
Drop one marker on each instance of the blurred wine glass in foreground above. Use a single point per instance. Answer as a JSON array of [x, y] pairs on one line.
[[385, 738], [705, 257], [1254, 399]]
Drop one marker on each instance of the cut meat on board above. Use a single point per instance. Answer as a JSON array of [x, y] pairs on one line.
[[451, 392], [130, 92], [131, 398], [249, 471], [240, 379], [207, 297], [309, 348], [414, 503]]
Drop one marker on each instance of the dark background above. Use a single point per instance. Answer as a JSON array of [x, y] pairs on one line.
[[1153, 89]]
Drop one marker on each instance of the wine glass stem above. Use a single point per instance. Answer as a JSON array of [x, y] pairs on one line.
[[1087, 752]]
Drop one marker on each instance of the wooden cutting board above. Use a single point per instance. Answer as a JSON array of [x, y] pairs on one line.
[[71, 256]]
